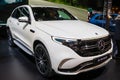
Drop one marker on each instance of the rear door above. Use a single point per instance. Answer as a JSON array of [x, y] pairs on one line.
[[18, 28], [14, 24]]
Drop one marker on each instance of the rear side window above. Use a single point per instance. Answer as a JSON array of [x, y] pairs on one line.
[[22, 11], [16, 14]]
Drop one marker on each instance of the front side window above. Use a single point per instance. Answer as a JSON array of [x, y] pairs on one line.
[[47, 13], [16, 14]]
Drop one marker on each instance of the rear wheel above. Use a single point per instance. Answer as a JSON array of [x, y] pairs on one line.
[[42, 60], [10, 38]]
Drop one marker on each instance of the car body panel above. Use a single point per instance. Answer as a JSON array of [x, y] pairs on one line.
[[72, 29]]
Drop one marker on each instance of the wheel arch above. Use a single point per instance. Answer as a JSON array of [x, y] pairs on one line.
[[39, 42]]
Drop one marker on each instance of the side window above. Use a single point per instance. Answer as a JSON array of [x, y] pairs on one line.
[[40, 14], [16, 14], [19, 12], [101, 17], [24, 12]]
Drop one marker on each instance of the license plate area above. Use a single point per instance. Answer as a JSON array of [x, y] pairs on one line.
[[101, 59]]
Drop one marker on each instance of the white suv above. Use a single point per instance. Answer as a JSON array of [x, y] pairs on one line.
[[59, 42]]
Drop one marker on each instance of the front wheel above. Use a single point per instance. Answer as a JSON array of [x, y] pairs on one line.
[[42, 60]]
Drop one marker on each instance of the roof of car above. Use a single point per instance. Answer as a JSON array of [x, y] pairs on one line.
[[44, 6]]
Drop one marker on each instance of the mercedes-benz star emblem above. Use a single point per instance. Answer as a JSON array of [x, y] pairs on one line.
[[101, 45]]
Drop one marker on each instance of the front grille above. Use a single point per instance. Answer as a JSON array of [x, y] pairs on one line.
[[93, 47]]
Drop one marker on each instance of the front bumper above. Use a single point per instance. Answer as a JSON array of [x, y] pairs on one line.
[[88, 65], [67, 62]]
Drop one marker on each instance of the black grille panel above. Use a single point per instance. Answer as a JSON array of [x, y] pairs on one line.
[[90, 47]]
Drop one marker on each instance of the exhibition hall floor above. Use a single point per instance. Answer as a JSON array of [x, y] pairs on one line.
[[17, 65]]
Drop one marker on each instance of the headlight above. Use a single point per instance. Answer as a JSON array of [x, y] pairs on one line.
[[71, 43]]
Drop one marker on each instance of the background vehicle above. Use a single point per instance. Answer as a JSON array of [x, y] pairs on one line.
[[58, 41], [99, 19], [6, 8]]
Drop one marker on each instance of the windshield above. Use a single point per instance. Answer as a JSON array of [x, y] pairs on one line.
[[48, 13]]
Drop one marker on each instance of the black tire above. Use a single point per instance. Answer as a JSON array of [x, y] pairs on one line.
[[42, 60], [10, 38]]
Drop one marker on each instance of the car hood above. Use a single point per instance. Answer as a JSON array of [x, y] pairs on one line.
[[71, 29]]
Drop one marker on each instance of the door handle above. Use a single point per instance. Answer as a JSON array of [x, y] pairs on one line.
[[31, 30]]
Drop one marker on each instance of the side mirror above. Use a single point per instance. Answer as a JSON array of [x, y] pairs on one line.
[[23, 19]]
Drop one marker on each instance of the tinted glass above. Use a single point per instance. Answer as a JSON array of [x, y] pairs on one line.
[[100, 17], [16, 14], [47, 13], [24, 12], [21, 12]]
